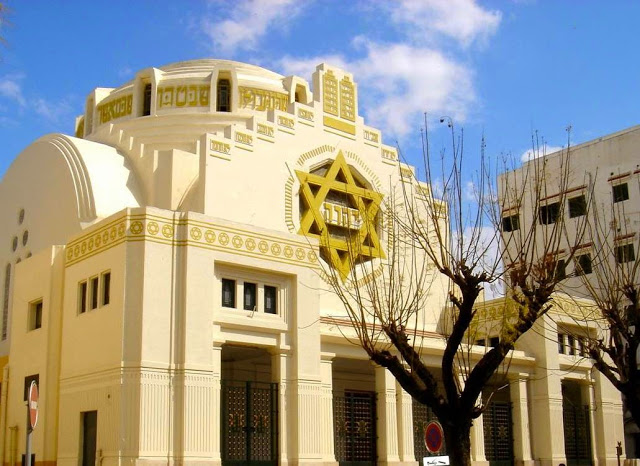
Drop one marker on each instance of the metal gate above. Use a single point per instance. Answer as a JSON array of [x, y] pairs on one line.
[[577, 435], [422, 415], [498, 434], [249, 423], [355, 428]]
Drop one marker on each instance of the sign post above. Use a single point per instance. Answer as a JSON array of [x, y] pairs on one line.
[[434, 440], [32, 418]]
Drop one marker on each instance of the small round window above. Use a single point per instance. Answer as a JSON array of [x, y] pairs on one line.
[[14, 244], [25, 237], [21, 217]]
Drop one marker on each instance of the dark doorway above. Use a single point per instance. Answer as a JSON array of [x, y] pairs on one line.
[[89, 435], [355, 428], [498, 434]]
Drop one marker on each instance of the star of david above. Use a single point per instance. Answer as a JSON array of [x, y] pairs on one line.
[[361, 242]]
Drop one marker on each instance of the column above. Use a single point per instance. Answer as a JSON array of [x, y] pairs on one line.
[[477, 442], [326, 413], [387, 425], [280, 374], [404, 405], [216, 402], [520, 418], [608, 419]]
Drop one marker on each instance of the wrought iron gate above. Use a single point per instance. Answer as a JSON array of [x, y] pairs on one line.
[[422, 415], [498, 434], [249, 423], [355, 428], [577, 435]]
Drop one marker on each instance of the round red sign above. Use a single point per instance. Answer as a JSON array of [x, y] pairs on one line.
[[433, 437], [33, 404]]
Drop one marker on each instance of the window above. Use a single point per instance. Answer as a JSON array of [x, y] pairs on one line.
[[82, 297], [27, 384], [582, 350], [549, 213], [625, 253], [561, 269], [249, 296], [494, 341], [571, 345], [577, 206], [224, 96], [620, 192], [228, 293], [511, 223], [481, 342], [34, 319], [583, 264], [106, 288], [95, 283], [270, 299], [561, 343], [146, 103]]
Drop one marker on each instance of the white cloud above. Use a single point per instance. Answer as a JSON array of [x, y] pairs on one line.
[[541, 152], [248, 21], [54, 112], [400, 82], [462, 20], [11, 88]]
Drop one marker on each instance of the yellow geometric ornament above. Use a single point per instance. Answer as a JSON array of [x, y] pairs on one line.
[[342, 213]]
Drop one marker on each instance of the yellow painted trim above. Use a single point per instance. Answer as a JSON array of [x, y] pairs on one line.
[[339, 125]]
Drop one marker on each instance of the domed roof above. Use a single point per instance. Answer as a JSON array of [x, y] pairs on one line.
[[208, 64]]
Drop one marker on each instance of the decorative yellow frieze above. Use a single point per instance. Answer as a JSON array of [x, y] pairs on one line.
[[261, 99], [371, 136], [188, 232], [330, 93], [286, 122], [339, 125], [116, 108], [219, 147], [342, 214], [389, 154], [347, 99], [187, 95], [305, 114], [265, 130], [244, 138]]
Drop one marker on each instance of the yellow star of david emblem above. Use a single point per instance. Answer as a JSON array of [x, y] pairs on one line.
[[341, 212]]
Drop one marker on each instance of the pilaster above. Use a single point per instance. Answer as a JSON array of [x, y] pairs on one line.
[[520, 418], [387, 424], [607, 417], [404, 406]]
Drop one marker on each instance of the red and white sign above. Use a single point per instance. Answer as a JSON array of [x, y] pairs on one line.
[[433, 437], [33, 404]]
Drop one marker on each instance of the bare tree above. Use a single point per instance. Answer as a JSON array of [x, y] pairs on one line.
[[435, 240]]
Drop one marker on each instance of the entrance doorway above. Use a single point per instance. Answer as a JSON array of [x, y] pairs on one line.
[[89, 437], [249, 408], [577, 432]]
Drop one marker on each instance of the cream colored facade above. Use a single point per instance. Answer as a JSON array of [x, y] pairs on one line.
[[163, 277]]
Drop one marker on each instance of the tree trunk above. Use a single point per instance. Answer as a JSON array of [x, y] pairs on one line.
[[457, 434]]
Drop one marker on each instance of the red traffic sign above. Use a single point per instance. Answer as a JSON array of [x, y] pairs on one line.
[[33, 404], [433, 437]]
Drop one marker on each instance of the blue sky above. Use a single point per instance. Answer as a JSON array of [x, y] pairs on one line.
[[499, 68]]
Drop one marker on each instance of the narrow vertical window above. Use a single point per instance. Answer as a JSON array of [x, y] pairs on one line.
[[82, 297], [146, 103], [34, 320], [270, 299], [561, 343], [223, 96], [249, 296], [571, 345], [228, 293], [94, 292], [106, 288], [5, 302], [561, 269]]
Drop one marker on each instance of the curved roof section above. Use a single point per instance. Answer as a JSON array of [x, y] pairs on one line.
[[208, 64]]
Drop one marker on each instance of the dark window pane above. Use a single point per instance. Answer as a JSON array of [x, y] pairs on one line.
[[625, 253], [571, 345], [494, 341], [583, 265], [511, 223], [270, 299], [577, 206], [82, 297], [561, 343], [561, 270], [249, 296], [146, 105], [27, 384], [94, 292], [228, 293], [620, 192], [549, 213], [224, 96], [106, 288]]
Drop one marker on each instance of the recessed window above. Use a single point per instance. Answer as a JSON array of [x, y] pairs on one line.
[[571, 345], [561, 344], [582, 348], [223, 96], [561, 269], [82, 296], [146, 103], [494, 341], [620, 192], [34, 320], [249, 296], [625, 253], [27, 384], [549, 213], [481, 342], [106, 288], [511, 223], [95, 283], [583, 264], [577, 206], [270, 299], [228, 293]]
